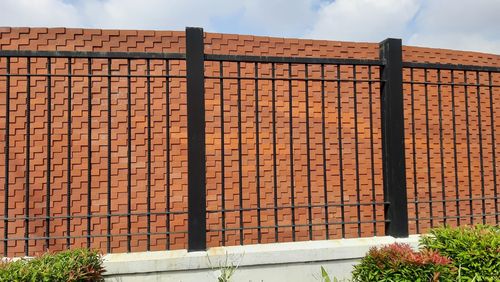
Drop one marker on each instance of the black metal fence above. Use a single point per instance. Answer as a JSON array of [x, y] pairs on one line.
[[62, 69], [460, 159], [383, 79], [263, 76], [390, 79]]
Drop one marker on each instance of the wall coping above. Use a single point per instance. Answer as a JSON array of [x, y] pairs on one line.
[[248, 255]]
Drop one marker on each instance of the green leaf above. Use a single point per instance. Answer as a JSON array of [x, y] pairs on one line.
[[325, 276]]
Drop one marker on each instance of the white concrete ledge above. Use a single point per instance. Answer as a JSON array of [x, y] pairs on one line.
[[265, 255]]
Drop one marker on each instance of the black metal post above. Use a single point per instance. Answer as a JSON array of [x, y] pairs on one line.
[[195, 58], [393, 149], [27, 170], [7, 159]]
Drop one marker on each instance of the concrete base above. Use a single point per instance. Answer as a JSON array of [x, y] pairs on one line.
[[298, 261]]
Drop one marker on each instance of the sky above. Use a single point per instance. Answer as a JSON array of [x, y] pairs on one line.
[[453, 24]]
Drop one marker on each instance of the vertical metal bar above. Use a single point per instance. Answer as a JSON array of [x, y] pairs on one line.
[[323, 141], [108, 216], [393, 149], [167, 177], [428, 153], [493, 145], [223, 165], [7, 161], [257, 151], [372, 158], [195, 57], [308, 149], [27, 173], [89, 151], [341, 166], [275, 172], [453, 115], [68, 156], [414, 150], [49, 153], [292, 185], [129, 156], [441, 149], [356, 149], [480, 135], [471, 208], [240, 148], [148, 199]]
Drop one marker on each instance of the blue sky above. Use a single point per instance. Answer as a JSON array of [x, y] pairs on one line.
[[455, 24]]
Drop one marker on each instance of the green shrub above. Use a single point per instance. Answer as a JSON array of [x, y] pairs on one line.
[[73, 265], [474, 250], [399, 262]]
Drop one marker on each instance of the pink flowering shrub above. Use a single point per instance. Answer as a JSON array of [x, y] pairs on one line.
[[399, 262]]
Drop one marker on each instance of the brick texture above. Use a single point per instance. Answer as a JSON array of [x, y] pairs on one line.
[[361, 169]]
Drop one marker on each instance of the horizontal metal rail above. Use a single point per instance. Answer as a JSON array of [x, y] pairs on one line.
[[458, 67], [450, 84], [299, 225], [458, 217], [452, 200], [94, 215], [291, 60], [295, 79], [94, 236], [91, 54], [93, 75], [300, 207]]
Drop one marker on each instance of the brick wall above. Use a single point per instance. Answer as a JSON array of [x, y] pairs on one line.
[[451, 137], [369, 170]]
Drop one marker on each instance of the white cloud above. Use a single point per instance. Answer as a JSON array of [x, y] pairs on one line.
[[279, 17], [124, 14], [269, 17], [462, 24], [364, 20], [153, 14], [38, 13], [456, 24]]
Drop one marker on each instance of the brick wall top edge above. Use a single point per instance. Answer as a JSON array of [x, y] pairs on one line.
[[78, 39], [235, 44], [448, 56], [69, 39]]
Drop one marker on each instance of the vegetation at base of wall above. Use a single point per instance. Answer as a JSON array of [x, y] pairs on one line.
[[474, 250], [447, 254], [399, 262], [325, 277], [79, 265], [226, 268]]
